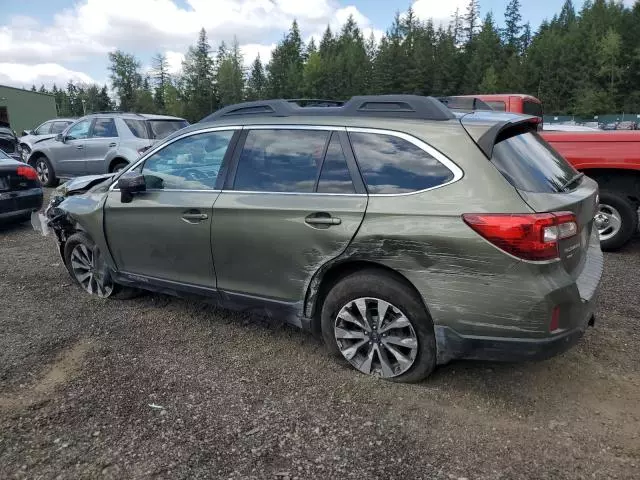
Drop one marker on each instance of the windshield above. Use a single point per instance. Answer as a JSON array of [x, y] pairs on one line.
[[531, 164]]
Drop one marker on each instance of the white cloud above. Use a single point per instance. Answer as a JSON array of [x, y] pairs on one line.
[[19, 75], [174, 60], [252, 50]]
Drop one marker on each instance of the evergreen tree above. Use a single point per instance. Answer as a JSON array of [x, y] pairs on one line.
[[160, 72], [256, 82], [511, 33], [471, 20], [125, 78], [286, 66], [198, 80], [230, 75]]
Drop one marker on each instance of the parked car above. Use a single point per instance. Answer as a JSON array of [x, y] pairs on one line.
[[99, 143], [380, 224], [610, 158], [9, 141], [20, 190], [45, 131], [559, 127]]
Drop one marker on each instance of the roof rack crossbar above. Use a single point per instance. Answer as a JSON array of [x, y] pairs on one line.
[[388, 106]]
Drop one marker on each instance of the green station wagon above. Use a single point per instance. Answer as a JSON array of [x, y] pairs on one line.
[[405, 234]]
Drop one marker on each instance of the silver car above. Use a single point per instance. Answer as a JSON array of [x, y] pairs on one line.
[[47, 130], [99, 143]]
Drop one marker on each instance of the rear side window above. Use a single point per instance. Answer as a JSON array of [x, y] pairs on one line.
[[335, 176], [137, 127], [280, 160], [531, 164], [393, 165], [532, 108], [104, 128], [497, 105], [43, 129], [163, 128]]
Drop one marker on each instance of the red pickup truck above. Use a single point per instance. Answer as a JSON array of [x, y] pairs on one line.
[[612, 158]]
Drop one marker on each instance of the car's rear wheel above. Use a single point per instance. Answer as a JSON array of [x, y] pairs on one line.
[[45, 171], [376, 323], [616, 220], [88, 269]]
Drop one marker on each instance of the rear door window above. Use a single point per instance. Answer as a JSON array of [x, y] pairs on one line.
[[531, 164], [163, 128], [280, 160], [335, 176], [104, 128], [138, 127], [392, 165]]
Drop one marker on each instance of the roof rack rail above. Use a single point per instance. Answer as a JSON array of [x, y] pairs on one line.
[[464, 103], [316, 102], [114, 111], [387, 106]]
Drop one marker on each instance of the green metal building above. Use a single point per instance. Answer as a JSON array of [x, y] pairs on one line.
[[24, 109]]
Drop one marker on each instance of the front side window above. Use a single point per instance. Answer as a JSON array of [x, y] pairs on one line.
[[280, 160], [104, 128], [79, 131], [58, 127], [335, 176], [190, 163], [393, 165], [43, 129]]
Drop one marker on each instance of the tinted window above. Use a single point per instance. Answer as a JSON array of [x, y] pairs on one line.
[[164, 128], [532, 108], [191, 163], [58, 127], [137, 127], [79, 131], [104, 128], [393, 165], [335, 176], [280, 160], [531, 164], [498, 106], [43, 129]]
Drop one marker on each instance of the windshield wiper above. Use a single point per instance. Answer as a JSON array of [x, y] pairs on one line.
[[565, 186]]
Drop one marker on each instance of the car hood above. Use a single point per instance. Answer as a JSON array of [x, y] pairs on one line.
[[81, 184]]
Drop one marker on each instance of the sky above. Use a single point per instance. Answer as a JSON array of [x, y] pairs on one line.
[[54, 41]]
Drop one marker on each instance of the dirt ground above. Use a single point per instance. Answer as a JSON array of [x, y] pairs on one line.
[[159, 387]]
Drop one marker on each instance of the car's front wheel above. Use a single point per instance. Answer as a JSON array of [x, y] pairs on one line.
[[88, 269], [45, 171], [375, 322]]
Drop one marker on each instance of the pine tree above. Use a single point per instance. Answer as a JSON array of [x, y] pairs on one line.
[[286, 66], [256, 82], [511, 33], [471, 20], [160, 72], [198, 80], [125, 78], [230, 75]]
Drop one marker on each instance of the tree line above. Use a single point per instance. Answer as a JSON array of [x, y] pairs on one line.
[[583, 62]]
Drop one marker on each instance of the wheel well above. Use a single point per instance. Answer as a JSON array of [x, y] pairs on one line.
[[116, 161], [34, 157], [339, 271], [626, 182]]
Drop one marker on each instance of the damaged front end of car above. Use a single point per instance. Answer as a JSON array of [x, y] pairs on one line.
[[68, 204]]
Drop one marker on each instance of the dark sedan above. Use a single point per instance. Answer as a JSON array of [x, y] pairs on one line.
[[20, 190], [9, 143]]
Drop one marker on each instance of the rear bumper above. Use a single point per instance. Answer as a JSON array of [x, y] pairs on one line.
[[451, 346], [19, 203]]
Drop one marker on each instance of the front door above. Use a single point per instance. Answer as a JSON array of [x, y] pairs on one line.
[[293, 204], [165, 232], [104, 137], [68, 156]]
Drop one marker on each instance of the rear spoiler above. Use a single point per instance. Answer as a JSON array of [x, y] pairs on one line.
[[486, 132]]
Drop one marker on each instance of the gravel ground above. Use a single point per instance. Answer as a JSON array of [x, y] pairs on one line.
[[158, 387]]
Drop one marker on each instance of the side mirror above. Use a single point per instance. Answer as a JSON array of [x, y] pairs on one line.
[[130, 183], [59, 138]]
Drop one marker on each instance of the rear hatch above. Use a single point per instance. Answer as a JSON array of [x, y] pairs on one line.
[[545, 181]]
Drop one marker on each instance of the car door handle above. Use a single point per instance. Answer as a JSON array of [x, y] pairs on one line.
[[79, 147], [322, 219], [112, 144], [194, 217]]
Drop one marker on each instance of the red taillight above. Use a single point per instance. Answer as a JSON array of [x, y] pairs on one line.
[[527, 236], [555, 319], [28, 173]]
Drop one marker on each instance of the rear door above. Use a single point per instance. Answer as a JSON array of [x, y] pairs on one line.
[[292, 203], [103, 137], [548, 183]]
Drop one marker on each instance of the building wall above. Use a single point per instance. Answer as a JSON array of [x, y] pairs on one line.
[[26, 109]]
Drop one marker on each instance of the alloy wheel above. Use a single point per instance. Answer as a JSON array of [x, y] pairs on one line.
[[608, 221], [376, 337], [43, 171], [90, 271]]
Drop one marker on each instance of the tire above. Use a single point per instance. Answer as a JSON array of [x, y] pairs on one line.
[[26, 151], [375, 285], [109, 288], [46, 173], [118, 166], [617, 220]]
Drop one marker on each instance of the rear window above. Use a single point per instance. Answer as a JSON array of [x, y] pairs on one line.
[[164, 128], [532, 108], [393, 165], [531, 164]]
